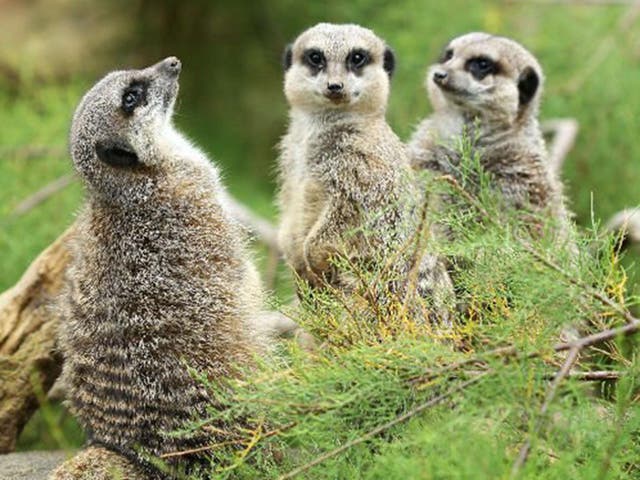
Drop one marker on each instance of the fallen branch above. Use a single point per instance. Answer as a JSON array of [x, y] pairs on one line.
[[264, 230], [43, 194], [28, 361]]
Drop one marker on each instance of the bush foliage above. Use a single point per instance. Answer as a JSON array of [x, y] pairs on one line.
[[472, 394]]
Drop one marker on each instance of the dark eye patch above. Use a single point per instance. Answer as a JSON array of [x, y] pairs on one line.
[[481, 66], [314, 59], [357, 60], [446, 55], [133, 96]]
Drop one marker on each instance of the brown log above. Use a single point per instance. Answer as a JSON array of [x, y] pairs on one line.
[[29, 363]]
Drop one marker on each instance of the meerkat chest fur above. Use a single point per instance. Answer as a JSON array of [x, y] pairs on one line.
[[338, 174], [357, 160]]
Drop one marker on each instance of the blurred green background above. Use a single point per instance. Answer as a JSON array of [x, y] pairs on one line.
[[232, 103]]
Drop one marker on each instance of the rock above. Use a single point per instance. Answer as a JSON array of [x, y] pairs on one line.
[[35, 465]]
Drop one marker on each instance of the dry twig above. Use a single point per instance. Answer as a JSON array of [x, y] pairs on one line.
[[43, 194], [511, 351], [207, 448]]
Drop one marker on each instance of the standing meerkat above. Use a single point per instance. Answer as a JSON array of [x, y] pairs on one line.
[[160, 280], [489, 87], [344, 174]]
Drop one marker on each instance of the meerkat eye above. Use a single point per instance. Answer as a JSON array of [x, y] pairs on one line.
[[315, 59], [480, 67], [446, 55], [357, 60], [132, 97]]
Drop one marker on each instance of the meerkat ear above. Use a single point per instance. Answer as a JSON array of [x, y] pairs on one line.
[[116, 153], [389, 61], [528, 83], [287, 57]]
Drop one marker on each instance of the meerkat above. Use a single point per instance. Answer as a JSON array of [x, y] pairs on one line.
[[341, 167], [160, 281], [489, 87]]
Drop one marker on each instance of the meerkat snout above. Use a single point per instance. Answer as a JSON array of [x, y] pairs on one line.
[[335, 91], [340, 67], [440, 77], [172, 64]]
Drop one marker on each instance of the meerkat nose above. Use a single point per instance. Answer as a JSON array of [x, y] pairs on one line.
[[439, 77], [334, 87], [172, 65]]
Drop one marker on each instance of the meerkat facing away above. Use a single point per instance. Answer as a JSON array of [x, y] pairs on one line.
[[490, 87], [341, 166], [160, 281]]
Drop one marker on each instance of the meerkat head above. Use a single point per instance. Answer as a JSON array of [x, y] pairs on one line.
[[338, 67], [486, 75], [116, 127]]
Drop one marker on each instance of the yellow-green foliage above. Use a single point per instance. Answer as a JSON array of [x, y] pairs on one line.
[[369, 369]]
